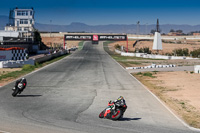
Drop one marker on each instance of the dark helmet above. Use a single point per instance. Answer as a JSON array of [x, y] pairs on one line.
[[120, 98]]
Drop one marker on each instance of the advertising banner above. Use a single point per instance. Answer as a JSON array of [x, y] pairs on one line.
[[78, 37], [96, 37], [112, 37], [6, 55]]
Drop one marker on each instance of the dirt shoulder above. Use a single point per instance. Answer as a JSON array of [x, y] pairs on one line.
[[4, 71], [178, 90], [168, 46], [8, 75]]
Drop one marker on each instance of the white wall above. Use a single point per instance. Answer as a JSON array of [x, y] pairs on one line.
[[144, 55], [197, 69], [9, 33], [15, 64]]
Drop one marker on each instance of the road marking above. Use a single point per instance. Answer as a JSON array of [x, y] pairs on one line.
[[185, 124]]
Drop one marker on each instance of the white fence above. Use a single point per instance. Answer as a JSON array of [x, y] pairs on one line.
[[197, 69], [20, 63]]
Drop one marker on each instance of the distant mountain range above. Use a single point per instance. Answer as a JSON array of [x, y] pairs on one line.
[[111, 28]]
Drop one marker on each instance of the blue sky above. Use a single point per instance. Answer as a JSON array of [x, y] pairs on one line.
[[101, 12]]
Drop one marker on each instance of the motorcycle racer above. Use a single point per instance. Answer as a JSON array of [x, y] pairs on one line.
[[115, 109]]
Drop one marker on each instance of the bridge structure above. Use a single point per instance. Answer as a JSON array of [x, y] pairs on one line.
[[95, 38]]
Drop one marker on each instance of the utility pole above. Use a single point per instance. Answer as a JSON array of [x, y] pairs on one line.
[[50, 35], [138, 27], [146, 28], [50, 27]]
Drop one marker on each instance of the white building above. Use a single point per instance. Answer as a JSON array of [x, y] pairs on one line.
[[21, 20]]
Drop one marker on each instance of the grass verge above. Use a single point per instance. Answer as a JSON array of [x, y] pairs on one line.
[[80, 45], [181, 108], [125, 61], [27, 69]]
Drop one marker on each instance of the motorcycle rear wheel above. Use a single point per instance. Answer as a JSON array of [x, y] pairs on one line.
[[117, 116]]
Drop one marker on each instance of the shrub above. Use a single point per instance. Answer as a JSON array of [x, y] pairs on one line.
[[185, 51], [117, 46], [181, 52], [28, 67], [139, 73], [195, 53], [168, 54], [147, 50], [149, 74], [144, 50]]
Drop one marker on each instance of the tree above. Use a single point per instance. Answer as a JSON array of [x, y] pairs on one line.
[[181, 52], [172, 30], [38, 40], [185, 51], [37, 37], [195, 53], [179, 31]]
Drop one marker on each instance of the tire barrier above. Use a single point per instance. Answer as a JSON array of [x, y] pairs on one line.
[[20, 63], [152, 66]]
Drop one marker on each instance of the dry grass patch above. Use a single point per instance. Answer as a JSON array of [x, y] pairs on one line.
[[178, 90], [4, 71]]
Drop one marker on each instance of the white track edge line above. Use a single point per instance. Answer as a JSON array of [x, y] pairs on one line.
[[185, 124]]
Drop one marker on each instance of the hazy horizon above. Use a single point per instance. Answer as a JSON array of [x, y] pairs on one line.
[[90, 12]]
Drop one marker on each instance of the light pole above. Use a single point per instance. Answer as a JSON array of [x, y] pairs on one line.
[[50, 27], [138, 27], [50, 36], [146, 28]]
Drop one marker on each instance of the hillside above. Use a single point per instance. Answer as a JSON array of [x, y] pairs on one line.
[[111, 28]]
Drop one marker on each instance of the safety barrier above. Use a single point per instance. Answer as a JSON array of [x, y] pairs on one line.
[[20, 63], [15, 64], [152, 66], [50, 56]]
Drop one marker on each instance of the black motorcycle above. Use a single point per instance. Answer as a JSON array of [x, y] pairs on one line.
[[20, 85]]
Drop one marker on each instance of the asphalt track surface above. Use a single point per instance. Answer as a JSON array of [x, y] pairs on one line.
[[68, 96]]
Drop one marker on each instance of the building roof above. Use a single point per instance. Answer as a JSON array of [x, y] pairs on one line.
[[24, 8]]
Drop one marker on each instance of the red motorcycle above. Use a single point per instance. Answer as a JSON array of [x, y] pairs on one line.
[[114, 111]]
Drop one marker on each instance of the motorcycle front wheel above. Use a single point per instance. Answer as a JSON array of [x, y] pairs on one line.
[[16, 91], [101, 115]]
